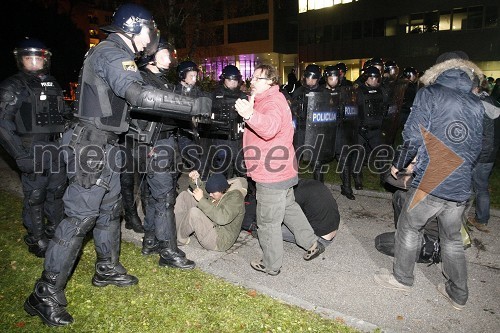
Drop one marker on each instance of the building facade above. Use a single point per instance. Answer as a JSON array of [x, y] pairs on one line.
[[413, 33], [245, 34]]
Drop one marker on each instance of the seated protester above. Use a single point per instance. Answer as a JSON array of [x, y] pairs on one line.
[[212, 211], [319, 207]]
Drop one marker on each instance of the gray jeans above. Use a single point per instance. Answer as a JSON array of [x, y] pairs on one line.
[[408, 241], [276, 206]]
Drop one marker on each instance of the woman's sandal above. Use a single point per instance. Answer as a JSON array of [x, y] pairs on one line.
[[259, 266], [314, 251]]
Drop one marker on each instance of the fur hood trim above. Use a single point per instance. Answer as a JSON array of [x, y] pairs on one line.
[[467, 66]]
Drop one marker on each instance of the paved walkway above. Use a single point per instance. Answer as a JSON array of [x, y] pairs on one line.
[[340, 284]]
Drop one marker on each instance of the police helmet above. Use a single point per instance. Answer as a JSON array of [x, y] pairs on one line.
[[331, 71], [230, 72], [390, 64], [131, 18], [371, 71], [184, 67], [376, 62], [38, 61], [408, 72], [312, 71], [367, 64], [342, 67]]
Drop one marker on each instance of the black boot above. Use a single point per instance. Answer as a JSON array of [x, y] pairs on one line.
[[150, 244], [132, 220], [48, 302], [37, 246], [165, 227], [107, 273], [36, 239], [317, 174], [171, 256], [358, 180], [345, 188]]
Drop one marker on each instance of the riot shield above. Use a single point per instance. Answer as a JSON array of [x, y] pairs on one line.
[[347, 134], [320, 127], [390, 122]]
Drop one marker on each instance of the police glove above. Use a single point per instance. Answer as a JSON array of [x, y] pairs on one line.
[[26, 164], [202, 106]]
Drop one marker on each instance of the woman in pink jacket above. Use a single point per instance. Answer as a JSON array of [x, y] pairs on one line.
[[270, 162]]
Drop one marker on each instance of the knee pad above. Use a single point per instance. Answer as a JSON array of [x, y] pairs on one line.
[[37, 197], [84, 226]]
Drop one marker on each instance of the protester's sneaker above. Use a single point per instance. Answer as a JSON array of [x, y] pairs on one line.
[[479, 226], [442, 290], [387, 280]]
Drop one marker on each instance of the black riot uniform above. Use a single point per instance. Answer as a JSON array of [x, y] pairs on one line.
[[347, 129], [226, 128], [408, 79], [393, 90], [371, 107], [190, 147], [31, 124], [109, 82], [156, 152]]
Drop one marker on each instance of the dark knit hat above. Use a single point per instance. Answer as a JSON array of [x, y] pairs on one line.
[[216, 183], [452, 55]]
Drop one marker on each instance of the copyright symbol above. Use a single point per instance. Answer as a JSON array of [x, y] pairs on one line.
[[457, 132]]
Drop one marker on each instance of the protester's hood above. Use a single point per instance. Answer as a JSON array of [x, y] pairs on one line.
[[430, 76]]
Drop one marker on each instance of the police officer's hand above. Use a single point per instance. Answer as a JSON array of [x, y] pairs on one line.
[[197, 194], [394, 172], [26, 165], [202, 106], [244, 107]]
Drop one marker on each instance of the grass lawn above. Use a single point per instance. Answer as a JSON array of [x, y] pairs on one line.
[[165, 300]]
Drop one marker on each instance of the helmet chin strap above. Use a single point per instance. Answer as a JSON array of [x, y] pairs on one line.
[[131, 39]]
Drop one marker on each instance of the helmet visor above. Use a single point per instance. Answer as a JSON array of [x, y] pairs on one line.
[[153, 35], [33, 60]]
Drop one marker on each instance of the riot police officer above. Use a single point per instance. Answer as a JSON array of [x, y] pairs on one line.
[[342, 68], [392, 90], [346, 136], [156, 137], [109, 82], [31, 124], [310, 83], [370, 100], [391, 71], [189, 143], [226, 139], [409, 78]]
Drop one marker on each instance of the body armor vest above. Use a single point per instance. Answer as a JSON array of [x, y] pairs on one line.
[[372, 107], [41, 112], [97, 103]]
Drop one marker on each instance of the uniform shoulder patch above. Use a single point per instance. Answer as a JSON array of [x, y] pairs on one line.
[[129, 66]]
